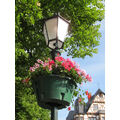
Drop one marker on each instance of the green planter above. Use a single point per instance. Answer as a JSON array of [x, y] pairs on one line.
[[53, 90]]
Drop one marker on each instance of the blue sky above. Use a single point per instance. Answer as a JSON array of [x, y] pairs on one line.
[[95, 66]]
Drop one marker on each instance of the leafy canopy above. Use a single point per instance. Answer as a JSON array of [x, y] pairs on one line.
[[83, 14]]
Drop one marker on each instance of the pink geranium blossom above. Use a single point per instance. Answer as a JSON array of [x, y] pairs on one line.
[[59, 59], [50, 67], [68, 64], [77, 70], [56, 65], [37, 65], [40, 61], [32, 69], [89, 78], [45, 64], [83, 73], [51, 62]]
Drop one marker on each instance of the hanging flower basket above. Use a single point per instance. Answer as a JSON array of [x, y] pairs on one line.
[[53, 90], [55, 82]]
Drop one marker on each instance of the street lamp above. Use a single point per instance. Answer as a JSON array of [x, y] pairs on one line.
[[55, 30]]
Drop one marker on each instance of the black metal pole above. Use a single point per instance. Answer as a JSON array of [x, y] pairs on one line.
[[54, 113], [55, 53]]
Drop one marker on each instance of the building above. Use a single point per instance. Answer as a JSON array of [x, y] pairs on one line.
[[94, 109]]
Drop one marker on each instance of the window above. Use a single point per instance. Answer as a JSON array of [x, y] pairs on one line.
[[92, 118], [101, 95], [77, 118], [81, 118], [95, 106], [103, 118]]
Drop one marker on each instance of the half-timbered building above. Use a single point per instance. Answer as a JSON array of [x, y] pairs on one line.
[[94, 109]]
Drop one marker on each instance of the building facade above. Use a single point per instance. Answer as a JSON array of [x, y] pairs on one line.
[[94, 109]]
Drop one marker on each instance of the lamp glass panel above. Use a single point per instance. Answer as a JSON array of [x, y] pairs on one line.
[[62, 29], [52, 44], [51, 25], [45, 34], [60, 44]]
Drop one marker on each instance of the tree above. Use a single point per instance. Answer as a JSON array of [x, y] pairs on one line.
[[30, 42], [25, 33]]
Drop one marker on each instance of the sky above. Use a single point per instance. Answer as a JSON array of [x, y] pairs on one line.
[[95, 66]]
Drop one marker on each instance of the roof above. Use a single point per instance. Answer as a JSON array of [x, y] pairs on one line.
[[88, 104], [70, 115]]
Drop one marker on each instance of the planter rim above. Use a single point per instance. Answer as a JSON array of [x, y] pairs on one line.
[[54, 75]]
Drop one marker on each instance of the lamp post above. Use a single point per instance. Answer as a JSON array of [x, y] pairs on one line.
[[55, 30]]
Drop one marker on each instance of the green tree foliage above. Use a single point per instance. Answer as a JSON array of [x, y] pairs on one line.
[[28, 38], [84, 35]]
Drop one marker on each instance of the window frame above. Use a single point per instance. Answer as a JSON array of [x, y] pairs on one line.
[[92, 118], [102, 118], [95, 106]]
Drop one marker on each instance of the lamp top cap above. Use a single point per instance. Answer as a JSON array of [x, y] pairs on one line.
[[58, 15]]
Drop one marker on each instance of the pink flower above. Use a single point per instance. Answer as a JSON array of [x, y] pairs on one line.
[[69, 68], [59, 59], [50, 67], [63, 64], [56, 65], [68, 64], [48, 59], [68, 59], [32, 69], [74, 63], [89, 78], [51, 62], [40, 61], [45, 64], [77, 70], [83, 73], [37, 65]]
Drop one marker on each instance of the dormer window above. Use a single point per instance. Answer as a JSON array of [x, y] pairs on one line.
[[101, 95]]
